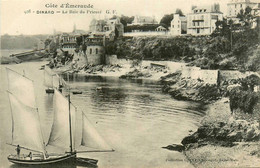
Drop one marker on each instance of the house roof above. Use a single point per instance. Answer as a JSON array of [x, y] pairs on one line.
[[206, 9]]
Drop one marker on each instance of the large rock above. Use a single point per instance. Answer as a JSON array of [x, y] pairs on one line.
[[175, 147], [190, 139], [235, 136]]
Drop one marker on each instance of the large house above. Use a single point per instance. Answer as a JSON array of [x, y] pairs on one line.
[[111, 27], [143, 20], [68, 41], [202, 19], [178, 25], [235, 6]]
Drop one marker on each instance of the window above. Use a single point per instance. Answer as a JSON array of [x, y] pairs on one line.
[[235, 5], [198, 31], [172, 26], [193, 23], [90, 51], [96, 51], [241, 5]]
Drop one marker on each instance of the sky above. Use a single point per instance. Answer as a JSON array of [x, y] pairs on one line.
[[15, 21]]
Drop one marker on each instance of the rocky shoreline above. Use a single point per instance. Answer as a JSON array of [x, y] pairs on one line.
[[222, 138], [189, 89]]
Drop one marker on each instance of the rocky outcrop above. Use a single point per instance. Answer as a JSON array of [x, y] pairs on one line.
[[93, 69], [144, 72], [223, 134], [135, 74], [175, 147], [189, 89]]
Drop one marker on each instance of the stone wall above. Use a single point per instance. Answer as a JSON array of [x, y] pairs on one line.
[[208, 76]]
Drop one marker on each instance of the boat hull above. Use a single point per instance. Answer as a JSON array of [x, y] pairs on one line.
[[76, 92], [64, 159], [50, 90]]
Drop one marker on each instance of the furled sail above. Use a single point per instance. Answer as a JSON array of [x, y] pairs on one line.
[[60, 132], [48, 79], [90, 137], [21, 86], [26, 130]]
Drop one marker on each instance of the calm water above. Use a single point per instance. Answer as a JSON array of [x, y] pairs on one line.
[[133, 116]]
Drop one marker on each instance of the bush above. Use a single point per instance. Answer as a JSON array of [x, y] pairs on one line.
[[243, 100]]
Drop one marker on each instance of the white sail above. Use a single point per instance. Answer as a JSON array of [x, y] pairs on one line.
[[21, 86], [63, 82], [90, 137], [48, 79], [56, 81], [26, 130], [60, 133]]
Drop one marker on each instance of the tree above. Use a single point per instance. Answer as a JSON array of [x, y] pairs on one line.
[[126, 20], [245, 17], [113, 17], [178, 11], [250, 82], [166, 20], [222, 28]]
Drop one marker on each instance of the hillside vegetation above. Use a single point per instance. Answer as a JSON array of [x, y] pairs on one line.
[[21, 41], [207, 52]]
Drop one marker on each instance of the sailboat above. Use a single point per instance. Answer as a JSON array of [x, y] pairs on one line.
[[27, 133], [51, 81]]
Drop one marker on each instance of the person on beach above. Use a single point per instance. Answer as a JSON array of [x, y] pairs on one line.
[[18, 150]]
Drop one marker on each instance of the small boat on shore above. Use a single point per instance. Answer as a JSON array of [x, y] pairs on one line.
[[99, 88], [27, 132], [77, 92]]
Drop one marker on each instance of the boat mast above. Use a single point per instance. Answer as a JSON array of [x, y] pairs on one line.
[[71, 150]]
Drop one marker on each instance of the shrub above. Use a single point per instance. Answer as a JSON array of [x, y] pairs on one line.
[[243, 100]]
